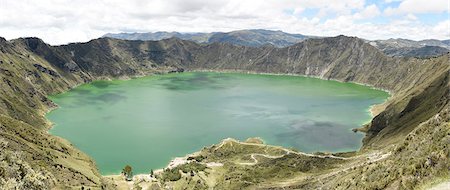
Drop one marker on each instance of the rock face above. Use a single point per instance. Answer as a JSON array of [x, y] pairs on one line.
[[31, 69]]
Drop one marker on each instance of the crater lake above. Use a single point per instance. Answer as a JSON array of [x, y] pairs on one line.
[[145, 122]]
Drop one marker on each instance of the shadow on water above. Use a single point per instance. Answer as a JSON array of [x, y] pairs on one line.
[[107, 118], [109, 98], [81, 91], [194, 81], [301, 133], [104, 98], [101, 84]]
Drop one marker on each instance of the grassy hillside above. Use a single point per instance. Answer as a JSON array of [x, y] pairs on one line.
[[31, 69]]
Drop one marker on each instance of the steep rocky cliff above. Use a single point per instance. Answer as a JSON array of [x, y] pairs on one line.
[[31, 69]]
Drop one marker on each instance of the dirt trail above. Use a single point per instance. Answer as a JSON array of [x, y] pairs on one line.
[[441, 186], [228, 140], [357, 161], [255, 161]]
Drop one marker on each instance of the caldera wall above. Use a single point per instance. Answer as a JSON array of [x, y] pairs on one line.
[[31, 69]]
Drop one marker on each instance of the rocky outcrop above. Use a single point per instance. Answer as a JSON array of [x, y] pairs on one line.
[[406, 111], [31, 69]]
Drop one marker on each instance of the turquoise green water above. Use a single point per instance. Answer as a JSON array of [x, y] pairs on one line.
[[147, 121]]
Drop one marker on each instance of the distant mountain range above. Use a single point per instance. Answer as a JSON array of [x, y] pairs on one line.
[[259, 37], [251, 38], [410, 48]]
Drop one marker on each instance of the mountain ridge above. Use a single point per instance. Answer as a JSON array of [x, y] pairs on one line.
[[259, 37], [251, 37], [32, 69]]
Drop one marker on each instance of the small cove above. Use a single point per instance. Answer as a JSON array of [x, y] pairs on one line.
[[147, 121]]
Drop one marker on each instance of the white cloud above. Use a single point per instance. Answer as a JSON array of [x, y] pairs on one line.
[[63, 21], [411, 17], [368, 12], [419, 6], [442, 28], [390, 1]]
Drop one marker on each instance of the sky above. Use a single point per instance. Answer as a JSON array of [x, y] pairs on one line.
[[65, 21]]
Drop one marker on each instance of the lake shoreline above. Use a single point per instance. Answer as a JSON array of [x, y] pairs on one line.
[[272, 74]]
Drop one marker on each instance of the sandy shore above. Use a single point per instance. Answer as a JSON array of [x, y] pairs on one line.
[[145, 180], [377, 109]]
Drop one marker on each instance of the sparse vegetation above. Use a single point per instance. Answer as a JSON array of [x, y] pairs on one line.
[[171, 174], [398, 151], [16, 173], [127, 171], [192, 166], [187, 169]]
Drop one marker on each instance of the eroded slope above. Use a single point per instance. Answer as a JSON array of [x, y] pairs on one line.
[[30, 70]]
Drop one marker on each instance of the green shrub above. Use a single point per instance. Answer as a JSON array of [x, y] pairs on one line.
[[193, 166], [171, 175]]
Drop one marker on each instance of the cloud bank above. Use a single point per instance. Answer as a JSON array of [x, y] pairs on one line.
[[64, 21]]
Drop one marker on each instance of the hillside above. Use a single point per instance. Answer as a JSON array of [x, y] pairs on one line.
[[417, 111]]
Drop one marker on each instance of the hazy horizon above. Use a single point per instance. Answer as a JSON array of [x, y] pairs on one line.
[[101, 36], [64, 21]]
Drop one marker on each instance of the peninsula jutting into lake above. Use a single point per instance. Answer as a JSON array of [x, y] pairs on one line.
[[187, 95], [145, 122]]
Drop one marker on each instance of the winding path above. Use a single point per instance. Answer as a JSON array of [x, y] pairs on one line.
[[256, 161], [274, 157]]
